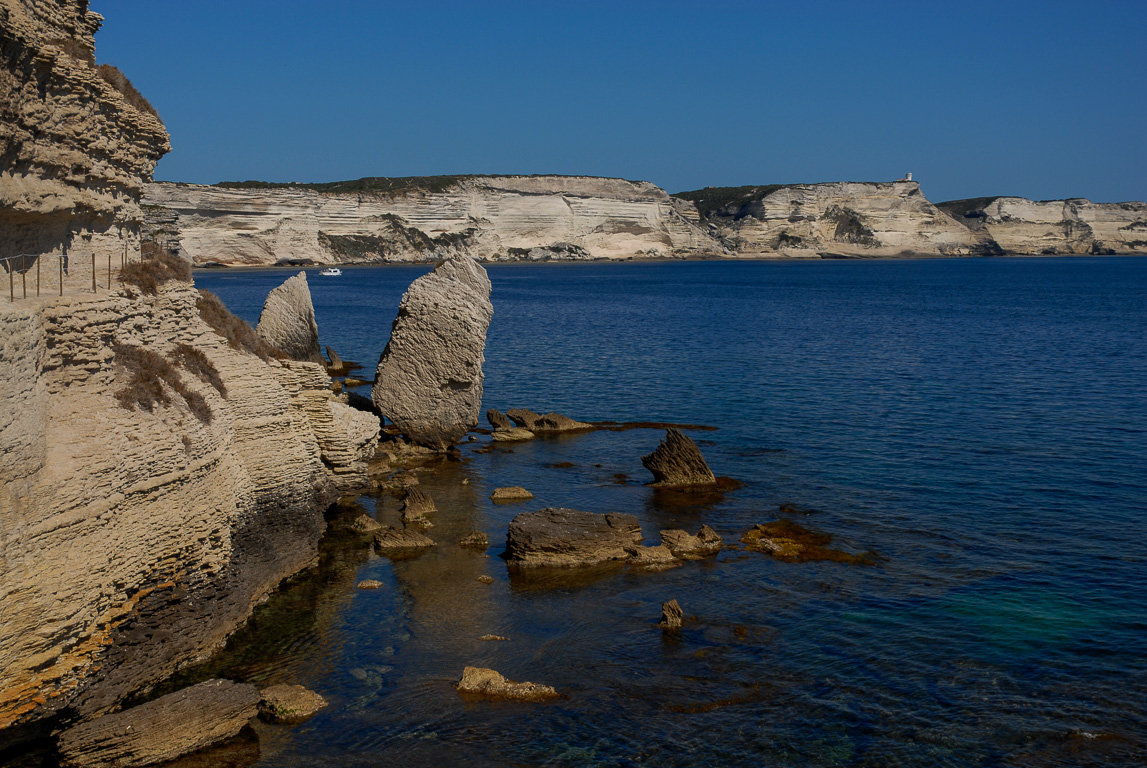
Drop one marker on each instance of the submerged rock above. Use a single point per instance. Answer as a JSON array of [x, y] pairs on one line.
[[288, 320], [289, 703], [416, 504], [678, 463], [487, 682], [557, 537], [511, 493], [787, 541], [475, 539], [390, 538], [366, 524], [486, 579], [161, 730], [429, 378], [687, 546], [671, 615]]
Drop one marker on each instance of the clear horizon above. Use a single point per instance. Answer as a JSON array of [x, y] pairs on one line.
[[1038, 100]]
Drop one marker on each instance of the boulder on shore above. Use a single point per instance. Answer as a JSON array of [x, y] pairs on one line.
[[161, 730], [487, 682], [678, 463], [289, 703], [498, 420], [429, 378], [557, 537], [288, 321]]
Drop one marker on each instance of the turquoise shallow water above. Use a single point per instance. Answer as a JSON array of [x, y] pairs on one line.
[[982, 424]]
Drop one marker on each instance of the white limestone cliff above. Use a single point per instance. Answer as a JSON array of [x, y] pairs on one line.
[[1055, 227], [493, 218]]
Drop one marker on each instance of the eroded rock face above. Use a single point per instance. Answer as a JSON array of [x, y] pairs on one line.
[[416, 505], [671, 615], [487, 682], [498, 420], [74, 150], [288, 320], [687, 546], [145, 537], [390, 538], [564, 538], [429, 378], [678, 463], [495, 218], [161, 730], [511, 493]]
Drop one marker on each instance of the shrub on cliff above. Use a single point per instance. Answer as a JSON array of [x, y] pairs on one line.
[[150, 375], [118, 80], [149, 274], [194, 361], [238, 333]]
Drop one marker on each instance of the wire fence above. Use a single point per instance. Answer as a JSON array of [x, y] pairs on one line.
[[33, 275]]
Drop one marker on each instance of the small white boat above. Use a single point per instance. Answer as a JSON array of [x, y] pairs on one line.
[[331, 272]]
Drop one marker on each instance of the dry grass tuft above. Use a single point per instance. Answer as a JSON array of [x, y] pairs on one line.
[[238, 333], [194, 361], [118, 80], [151, 273], [148, 373]]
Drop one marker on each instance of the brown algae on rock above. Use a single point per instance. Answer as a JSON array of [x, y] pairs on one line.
[[792, 543]]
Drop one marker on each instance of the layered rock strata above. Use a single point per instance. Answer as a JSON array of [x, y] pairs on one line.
[[677, 462], [162, 730], [287, 321], [1055, 227], [76, 142], [136, 536], [565, 538], [497, 218], [429, 378]]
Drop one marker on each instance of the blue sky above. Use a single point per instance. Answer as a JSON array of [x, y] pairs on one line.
[[1044, 100]]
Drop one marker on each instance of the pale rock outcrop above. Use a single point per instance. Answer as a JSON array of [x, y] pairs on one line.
[[487, 682], [510, 493], [161, 730], [563, 538], [514, 218], [429, 378], [836, 218], [74, 150], [416, 505], [686, 546], [390, 538], [134, 541], [1055, 227], [288, 320], [677, 462]]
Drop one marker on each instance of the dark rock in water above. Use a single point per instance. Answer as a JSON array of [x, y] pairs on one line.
[[510, 493], [678, 463], [289, 704], [551, 422], [498, 420], [787, 541], [288, 320], [487, 682], [671, 615], [569, 538], [687, 546], [474, 539], [429, 378], [333, 359], [164, 729], [391, 538], [416, 505], [524, 417]]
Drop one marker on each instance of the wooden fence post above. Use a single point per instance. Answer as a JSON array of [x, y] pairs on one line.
[[109, 271], [93, 272], [61, 274], [24, 275], [11, 285], [38, 260]]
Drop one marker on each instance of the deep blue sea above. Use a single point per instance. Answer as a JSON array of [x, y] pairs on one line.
[[981, 424]]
